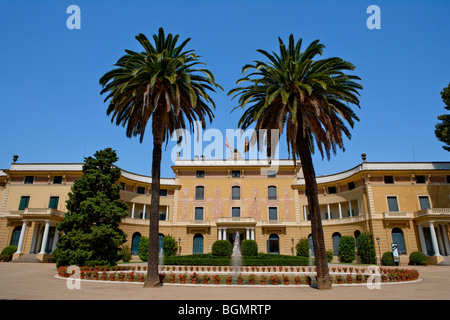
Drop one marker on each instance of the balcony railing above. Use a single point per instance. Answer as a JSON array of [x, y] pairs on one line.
[[434, 212], [43, 211], [236, 220]]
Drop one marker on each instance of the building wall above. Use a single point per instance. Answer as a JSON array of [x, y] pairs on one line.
[[361, 189]]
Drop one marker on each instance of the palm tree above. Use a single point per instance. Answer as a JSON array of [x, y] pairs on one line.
[[163, 88], [309, 98]]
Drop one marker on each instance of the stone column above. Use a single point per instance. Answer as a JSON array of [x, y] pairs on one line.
[[132, 210], [328, 211], [253, 233], [247, 233], [44, 240], [22, 237], [143, 215], [445, 236], [350, 209], [224, 234], [340, 210], [423, 244], [434, 239], [219, 234]]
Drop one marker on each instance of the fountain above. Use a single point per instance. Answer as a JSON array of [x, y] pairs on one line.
[[236, 257], [160, 260]]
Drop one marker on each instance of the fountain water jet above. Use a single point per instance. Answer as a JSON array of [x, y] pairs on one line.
[[236, 257]]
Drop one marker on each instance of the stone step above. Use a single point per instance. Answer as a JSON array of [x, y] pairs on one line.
[[28, 258]]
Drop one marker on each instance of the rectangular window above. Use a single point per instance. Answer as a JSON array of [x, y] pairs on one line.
[[236, 212], [424, 202], [53, 203], [199, 193], [388, 179], [57, 179], [236, 173], [351, 185], [392, 204], [420, 179], [141, 190], [198, 213], [272, 190], [162, 213], [235, 193], [29, 179], [273, 214], [163, 192], [332, 190], [24, 201], [200, 174]]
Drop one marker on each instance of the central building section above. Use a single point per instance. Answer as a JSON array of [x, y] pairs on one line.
[[218, 198]]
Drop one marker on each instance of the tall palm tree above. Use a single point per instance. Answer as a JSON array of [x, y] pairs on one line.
[[309, 98], [163, 88]]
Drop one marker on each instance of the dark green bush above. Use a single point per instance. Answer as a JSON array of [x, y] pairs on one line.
[[9, 250], [249, 248], [417, 258], [143, 249], [302, 247], [347, 249], [387, 259], [125, 254], [329, 255], [366, 249], [221, 248], [170, 246]]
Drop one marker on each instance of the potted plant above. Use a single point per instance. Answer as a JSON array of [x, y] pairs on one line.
[[216, 279], [359, 278], [95, 275], [172, 278], [112, 276], [274, 279], [383, 278], [349, 278], [297, 280], [194, 278], [228, 279], [339, 279], [183, 277], [308, 280], [286, 279], [251, 279], [121, 276], [141, 277], [130, 277], [104, 275], [240, 279], [263, 279], [206, 279]]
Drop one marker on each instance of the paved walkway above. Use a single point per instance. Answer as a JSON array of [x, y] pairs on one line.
[[27, 281]]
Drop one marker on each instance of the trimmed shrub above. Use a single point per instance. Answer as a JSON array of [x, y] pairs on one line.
[[221, 248], [125, 254], [387, 259], [329, 255], [143, 248], [347, 249], [366, 249], [417, 258], [8, 251], [249, 248], [302, 247], [170, 246]]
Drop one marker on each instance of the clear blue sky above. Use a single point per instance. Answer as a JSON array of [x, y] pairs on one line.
[[52, 111]]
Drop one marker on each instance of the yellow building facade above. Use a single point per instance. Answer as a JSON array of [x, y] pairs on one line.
[[207, 200]]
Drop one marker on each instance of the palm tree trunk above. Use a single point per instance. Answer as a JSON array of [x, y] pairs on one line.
[[323, 277], [153, 239]]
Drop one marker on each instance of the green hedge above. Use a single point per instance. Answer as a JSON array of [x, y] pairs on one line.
[[221, 248], [417, 258], [261, 259], [249, 248], [387, 259]]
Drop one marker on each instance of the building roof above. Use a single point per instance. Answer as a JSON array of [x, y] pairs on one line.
[[381, 166]]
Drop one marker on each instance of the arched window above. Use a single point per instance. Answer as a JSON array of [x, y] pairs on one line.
[[311, 246], [273, 244], [198, 244], [135, 243], [199, 193], [15, 236], [397, 237], [336, 240], [272, 193], [236, 193]]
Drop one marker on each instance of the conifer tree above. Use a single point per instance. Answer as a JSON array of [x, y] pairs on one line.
[[90, 229]]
